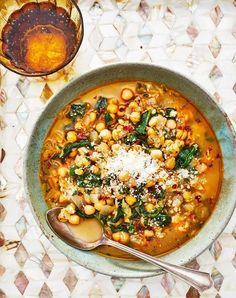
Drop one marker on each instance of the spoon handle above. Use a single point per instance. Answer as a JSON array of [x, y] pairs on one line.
[[199, 280]]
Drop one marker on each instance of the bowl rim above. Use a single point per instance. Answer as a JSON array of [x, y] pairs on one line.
[[124, 271], [42, 74]]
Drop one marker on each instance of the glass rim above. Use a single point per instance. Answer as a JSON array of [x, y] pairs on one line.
[[42, 74]]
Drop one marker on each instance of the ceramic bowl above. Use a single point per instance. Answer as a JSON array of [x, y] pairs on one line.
[[220, 124]]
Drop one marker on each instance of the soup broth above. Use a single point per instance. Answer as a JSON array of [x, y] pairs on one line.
[[140, 158]]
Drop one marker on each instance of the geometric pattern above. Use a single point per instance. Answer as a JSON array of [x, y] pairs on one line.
[[194, 37]]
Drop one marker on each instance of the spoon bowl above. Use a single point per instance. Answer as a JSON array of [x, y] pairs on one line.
[[200, 280]]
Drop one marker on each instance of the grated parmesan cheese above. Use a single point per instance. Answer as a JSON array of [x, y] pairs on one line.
[[138, 164]]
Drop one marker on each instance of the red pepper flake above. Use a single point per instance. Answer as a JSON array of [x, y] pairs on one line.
[[129, 128], [188, 128], [198, 198], [192, 216], [174, 186], [137, 142], [198, 120]]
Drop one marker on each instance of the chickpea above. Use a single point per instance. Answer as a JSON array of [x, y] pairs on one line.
[[187, 196], [63, 216], [100, 126], [130, 200], [122, 237], [153, 121], [170, 163], [161, 121], [71, 136], [105, 134], [63, 199], [62, 171], [70, 208], [202, 212], [93, 136], [135, 117], [98, 206], [156, 154], [74, 219], [151, 132], [127, 94], [133, 105], [171, 123], [112, 108], [92, 116], [150, 207], [124, 176], [89, 210], [148, 233]]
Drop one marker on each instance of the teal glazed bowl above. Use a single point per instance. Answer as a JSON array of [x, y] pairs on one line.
[[203, 101]]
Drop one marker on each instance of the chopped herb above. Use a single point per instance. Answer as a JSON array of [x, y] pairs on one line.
[[170, 113], [131, 228], [77, 110], [141, 88], [82, 214], [72, 171], [131, 138], [186, 155], [124, 189], [101, 104], [68, 148], [162, 219], [119, 228], [109, 178], [89, 180], [141, 127], [108, 119], [119, 212]]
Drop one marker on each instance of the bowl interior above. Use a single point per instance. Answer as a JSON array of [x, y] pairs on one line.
[[216, 117]]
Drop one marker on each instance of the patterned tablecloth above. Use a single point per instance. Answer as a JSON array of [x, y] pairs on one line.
[[196, 38]]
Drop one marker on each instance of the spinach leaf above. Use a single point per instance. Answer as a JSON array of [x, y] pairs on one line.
[[108, 119], [89, 180], [124, 189], [141, 126], [141, 88], [131, 138], [161, 218], [68, 148], [143, 212], [72, 171], [101, 104], [117, 229], [109, 178], [170, 113], [119, 212], [77, 110], [81, 214], [186, 155], [131, 228]]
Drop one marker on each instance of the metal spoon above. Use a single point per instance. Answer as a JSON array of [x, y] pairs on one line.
[[199, 280]]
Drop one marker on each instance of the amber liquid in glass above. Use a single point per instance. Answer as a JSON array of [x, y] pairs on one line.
[[39, 37]]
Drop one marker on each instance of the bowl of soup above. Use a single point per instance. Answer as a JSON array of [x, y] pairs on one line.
[[143, 150]]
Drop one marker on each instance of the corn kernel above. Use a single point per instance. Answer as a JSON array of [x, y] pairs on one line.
[[100, 126], [112, 108], [150, 207], [71, 136], [170, 163], [135, 117], [133, 105], [130, 200], [92, 116], [74, 219], [89, 210]]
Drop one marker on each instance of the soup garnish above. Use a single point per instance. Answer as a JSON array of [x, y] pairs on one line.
[[138, 157]]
